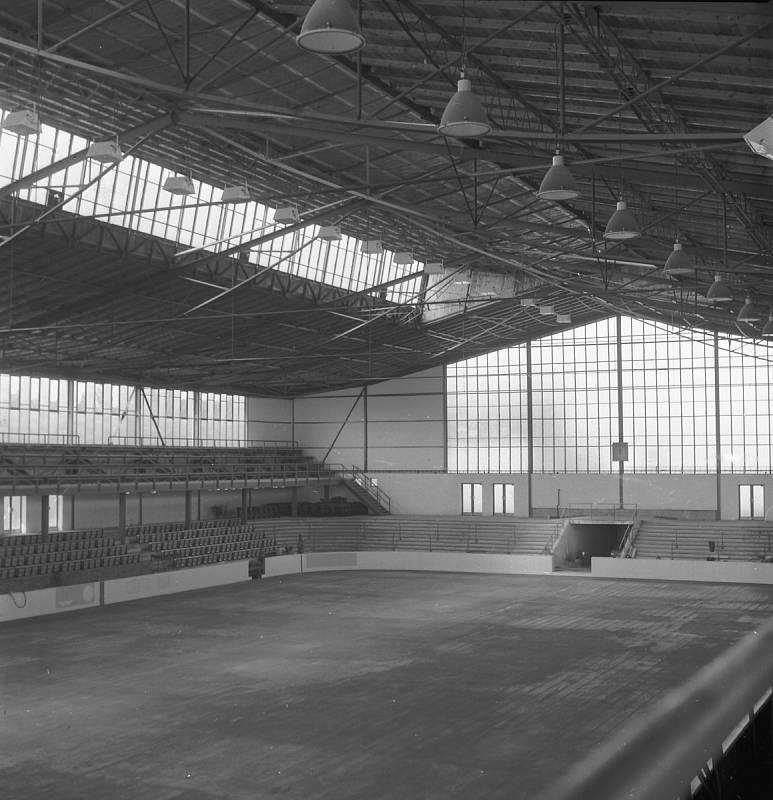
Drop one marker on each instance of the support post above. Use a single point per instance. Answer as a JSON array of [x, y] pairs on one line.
[[245, 513], [122, 517], [188, 508], [620, 435], [717, 427], [44, 522], [529, 431]]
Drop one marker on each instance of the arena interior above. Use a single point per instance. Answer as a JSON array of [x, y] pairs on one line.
[[385, 400]]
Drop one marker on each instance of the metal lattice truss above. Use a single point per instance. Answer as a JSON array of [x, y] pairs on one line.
[[647, 101]]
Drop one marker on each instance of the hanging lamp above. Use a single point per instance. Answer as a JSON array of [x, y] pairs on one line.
[[719, 291], [235, 194], [330, 28], [24, 122], [678, 262], [464, 116], [180, 185], [106, 152], [749, 311], [558, 183], [622, 224]]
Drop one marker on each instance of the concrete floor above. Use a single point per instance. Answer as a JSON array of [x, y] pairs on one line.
[[348, 685]]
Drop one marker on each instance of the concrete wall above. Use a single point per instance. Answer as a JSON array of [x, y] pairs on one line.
[[659, 569], [55, 600], [395, 425], [269, 418], [487, 563], [135, 587]]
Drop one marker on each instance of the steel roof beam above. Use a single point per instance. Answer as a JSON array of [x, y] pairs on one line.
[[621, 65]]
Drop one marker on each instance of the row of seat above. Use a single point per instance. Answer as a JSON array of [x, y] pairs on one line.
[[155, 528], [53, 467], [16, 544], [200, 546], [199, 559], [57, 556], [53, 545], [228, 533], [74, 565]]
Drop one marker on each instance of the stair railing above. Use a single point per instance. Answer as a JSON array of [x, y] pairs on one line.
[[627, 546], [365, 482]]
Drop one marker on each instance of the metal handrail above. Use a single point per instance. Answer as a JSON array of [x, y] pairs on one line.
[[154, 441], [600, 510], [659, 754], [626, 547], [124, 476], [364, 480], [40, 438]]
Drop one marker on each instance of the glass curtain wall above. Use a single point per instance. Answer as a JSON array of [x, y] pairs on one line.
[[57, 411], [668, 382]]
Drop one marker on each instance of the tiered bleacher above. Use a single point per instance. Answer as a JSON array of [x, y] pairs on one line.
[[56, 468], [36, 555], [175, 545], [711, 540]]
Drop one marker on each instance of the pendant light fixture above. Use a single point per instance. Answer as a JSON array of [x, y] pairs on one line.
[[622, 224], [464, 116], [24, 122], [180, 185], [330, 28], [749, 311], [558, 183], [678, 262], [719, 291]]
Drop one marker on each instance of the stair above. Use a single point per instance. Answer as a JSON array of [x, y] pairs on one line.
[[363, 488]]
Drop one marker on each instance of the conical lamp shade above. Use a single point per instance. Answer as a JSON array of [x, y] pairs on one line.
[[678, 262], [622, 224], [464, 116], [749, 312], [331, 28], [768, 328], [558, 183], [719, 292]]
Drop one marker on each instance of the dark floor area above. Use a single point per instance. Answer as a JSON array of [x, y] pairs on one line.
[[348, 685]]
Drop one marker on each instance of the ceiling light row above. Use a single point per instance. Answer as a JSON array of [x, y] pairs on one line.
[[719, 293]]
